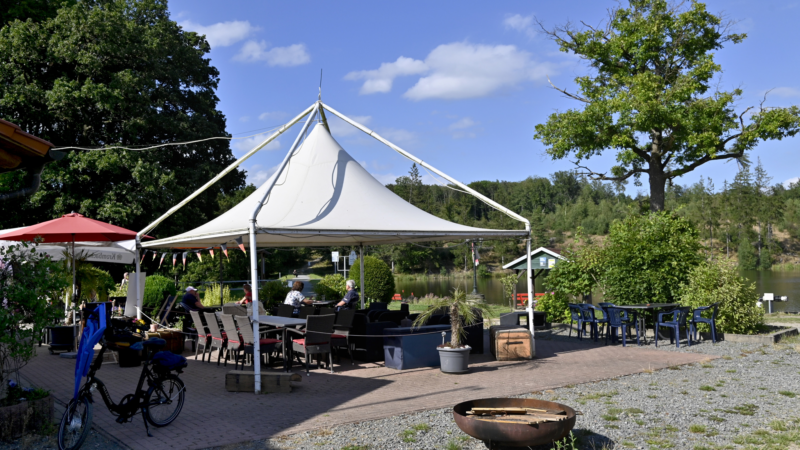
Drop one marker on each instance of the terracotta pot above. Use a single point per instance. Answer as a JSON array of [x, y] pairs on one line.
[[28, 416], [153, 327]]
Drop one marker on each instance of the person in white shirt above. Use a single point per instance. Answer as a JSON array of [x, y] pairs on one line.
[[296, 298]]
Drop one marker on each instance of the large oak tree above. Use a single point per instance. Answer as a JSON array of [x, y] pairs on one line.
[[115, 72], [652, 98]]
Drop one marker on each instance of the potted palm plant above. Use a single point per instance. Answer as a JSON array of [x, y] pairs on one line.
[[453, 355]]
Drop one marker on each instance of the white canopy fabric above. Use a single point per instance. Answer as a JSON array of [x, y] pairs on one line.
[[110, 252], [324, 197]]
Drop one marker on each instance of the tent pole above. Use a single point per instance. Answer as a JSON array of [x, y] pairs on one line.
[[361, 273], [136, 281], [530, 287], [254, 249], [74, 282], [422, 163], [225, 172]]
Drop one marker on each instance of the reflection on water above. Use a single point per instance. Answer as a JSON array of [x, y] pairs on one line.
[[779, 283]]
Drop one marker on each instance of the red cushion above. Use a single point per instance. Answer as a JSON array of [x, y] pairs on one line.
[[268, 341], [225, 335], [303, 342], [338, 336]]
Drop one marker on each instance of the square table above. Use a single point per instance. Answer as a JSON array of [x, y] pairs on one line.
[[646, 307], [282, 322]]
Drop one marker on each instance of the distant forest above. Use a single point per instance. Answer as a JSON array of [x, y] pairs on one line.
[[749, 217]]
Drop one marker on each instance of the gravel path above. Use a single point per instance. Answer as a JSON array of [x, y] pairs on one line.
[[747, 397]]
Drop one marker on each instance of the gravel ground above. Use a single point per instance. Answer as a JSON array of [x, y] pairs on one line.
[[748, 397]]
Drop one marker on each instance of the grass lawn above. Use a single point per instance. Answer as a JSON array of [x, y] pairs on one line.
[[782, 318]]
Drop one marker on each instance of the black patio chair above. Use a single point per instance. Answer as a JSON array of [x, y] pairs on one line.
[[266, 346], [341, 332], [315, 339], [678, 318], [285, 310]]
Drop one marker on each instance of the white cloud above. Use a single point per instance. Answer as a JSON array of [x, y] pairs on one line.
[[274, 115], [380, 80], [340, 128], [254, 51], [518, 22], [461, 128], [457, 71], [242, 146], [785, 92], [788, 183], [222, 34], [461, 70]]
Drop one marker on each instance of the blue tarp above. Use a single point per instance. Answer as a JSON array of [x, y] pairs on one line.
[[95, 326]]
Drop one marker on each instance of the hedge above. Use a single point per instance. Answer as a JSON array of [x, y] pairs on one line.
[[377, 277]]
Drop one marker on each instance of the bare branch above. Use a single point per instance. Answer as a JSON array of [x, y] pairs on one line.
[[567, 93]]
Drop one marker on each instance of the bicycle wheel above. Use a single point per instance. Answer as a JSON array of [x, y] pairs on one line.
[[164, 401], [75, 424]]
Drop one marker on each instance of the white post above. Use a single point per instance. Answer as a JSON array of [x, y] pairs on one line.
[[530, 289], [136, 281], [254, 248], [361, 261]]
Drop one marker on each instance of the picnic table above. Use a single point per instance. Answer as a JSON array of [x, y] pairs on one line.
[[642, 307]]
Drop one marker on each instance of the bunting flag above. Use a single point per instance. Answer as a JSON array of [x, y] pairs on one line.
[[199, 254], [174, 258], [184, 259], [240, 244], [224, 248], [163, 255], [211, 250], [155, 253], [144, 253]]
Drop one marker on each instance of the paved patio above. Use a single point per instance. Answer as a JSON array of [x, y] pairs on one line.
[[214, 417]]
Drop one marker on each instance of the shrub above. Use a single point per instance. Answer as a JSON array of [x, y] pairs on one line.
[[93, 279], [156, 290], [216, 294], [273, 293], [331, 286], [719, 281], [556, 305], [378, 279]]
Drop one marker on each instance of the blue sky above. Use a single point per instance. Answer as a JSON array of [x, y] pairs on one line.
[[459, 84]]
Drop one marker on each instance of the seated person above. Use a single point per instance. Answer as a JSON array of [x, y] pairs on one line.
[[248, 295], [191, 300], [350, 299], [295, 297]]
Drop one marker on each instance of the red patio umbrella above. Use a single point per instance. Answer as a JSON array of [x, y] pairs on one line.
[[70, 228]]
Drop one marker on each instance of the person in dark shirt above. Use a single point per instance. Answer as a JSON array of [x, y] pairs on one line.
[[350, 299], [191, 300]]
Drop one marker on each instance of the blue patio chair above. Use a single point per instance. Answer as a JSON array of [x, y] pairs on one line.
[[576, 316], [678, 318], [698, 318], [618, 318], [590, 315]]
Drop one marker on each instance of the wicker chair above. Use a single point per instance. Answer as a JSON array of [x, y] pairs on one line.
[[218, 339], [234, 341], [326, 311], [341, 332], [266, 345], [305, 311], [203, 336], [315, 339], [285, 310]]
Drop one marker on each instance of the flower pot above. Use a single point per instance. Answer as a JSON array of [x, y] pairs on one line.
[[454, 360], [61, 338], [29, 416]]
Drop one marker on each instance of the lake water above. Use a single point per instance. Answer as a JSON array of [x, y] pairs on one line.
[[777, 282]]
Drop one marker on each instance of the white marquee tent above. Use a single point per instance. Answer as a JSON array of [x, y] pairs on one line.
[[321, 196]]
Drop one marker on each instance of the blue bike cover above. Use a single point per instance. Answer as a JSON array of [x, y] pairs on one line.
[[95, 326]]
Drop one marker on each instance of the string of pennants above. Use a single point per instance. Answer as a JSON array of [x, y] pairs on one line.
[[198, 253]]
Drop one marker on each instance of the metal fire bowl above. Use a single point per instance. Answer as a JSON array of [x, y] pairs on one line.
[[512, 434]]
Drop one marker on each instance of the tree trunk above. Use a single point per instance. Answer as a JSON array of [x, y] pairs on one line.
[[658, 182]]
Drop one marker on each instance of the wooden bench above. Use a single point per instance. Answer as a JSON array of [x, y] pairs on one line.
[[397, 297], [522, 300]]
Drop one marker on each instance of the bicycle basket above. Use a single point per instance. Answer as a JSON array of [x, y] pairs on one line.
[[168, 361]]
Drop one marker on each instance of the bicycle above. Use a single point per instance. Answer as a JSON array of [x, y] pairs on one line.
[[159, 404]]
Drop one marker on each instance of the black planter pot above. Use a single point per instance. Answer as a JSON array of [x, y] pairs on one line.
[[62, 338]]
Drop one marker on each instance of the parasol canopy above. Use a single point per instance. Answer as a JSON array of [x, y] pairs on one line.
[[71, 227]]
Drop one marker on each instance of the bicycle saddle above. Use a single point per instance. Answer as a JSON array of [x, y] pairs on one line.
[[154, 342]]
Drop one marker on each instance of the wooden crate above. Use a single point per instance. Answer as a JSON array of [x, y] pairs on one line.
[[513, 344], [175, 340], [244, 381]]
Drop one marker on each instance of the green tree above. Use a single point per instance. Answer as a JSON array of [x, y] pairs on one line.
[[648, 98], [34, 10], [116, 72], [378, 279], [647, 257]]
